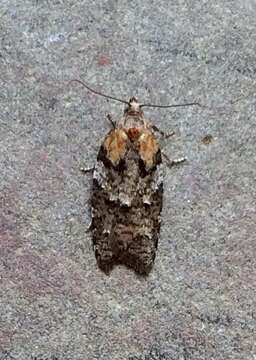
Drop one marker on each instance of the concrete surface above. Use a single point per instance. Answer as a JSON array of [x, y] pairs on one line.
[[199, 301]]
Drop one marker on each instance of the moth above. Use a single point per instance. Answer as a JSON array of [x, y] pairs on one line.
[[127, 191]]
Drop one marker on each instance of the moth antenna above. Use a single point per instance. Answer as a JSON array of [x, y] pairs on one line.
[[98, 92], [170, 106]]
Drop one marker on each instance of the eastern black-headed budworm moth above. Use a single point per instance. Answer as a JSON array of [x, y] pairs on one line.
[[127, 191]]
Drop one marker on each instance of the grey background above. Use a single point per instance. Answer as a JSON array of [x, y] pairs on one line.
[[199, 301]]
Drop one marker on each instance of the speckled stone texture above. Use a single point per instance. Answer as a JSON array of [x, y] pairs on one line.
[[199, 301]]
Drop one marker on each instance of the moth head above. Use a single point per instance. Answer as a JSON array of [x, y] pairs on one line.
[[134, 107]]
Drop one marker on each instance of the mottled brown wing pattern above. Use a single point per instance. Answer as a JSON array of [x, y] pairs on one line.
[[127, 200]]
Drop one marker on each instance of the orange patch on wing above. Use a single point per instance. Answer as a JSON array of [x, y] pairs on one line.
[[115, 144], [133, 133], [148, 147]]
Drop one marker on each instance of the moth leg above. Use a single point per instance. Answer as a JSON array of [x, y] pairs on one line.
[[112, 122], [162, 133], [168, 135], [173, 162], [86, 170]]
